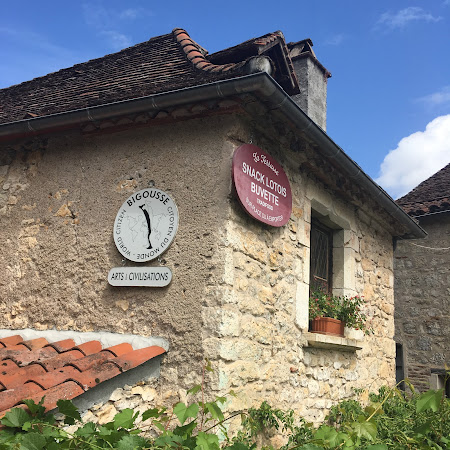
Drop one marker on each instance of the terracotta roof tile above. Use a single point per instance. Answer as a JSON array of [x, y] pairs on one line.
[[120, 349], [163, 63], [11, 340], [21, 376], [55, 377], [90, 361], [64, 391], [60, 370], [137, 357], [430, 196], [34, 344], [60, 360], [62, 346]]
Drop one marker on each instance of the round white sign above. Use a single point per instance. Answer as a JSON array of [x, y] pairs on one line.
[[145, 225]]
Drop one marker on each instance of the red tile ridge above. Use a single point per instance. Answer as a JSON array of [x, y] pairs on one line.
[[61, 359], [23, 357], [11, 340], [88, 348], [61, 370], [34, 344], [62, 346], [21, 375], [137, 357], [51, 379], [271, 37], [96, 375], [11, 397], [7, 366], [196, 55], [65, 391], [88, 362], [120, 349]]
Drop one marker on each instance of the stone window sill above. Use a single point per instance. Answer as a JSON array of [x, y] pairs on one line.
[[317, 340]]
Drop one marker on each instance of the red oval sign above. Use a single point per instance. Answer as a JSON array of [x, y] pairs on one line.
[[262, 186]]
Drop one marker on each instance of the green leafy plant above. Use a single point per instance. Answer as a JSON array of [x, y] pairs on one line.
[[344, 308], [392, 420]]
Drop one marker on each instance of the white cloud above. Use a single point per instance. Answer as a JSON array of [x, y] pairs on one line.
[[439, 98], [337, 39], [403, 17], [131, 13], [116, 40], [416, 158], [107, 22]]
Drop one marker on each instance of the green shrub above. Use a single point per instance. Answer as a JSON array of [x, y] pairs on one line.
[[392, 420]]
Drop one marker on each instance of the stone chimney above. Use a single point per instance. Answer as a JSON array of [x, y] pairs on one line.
[[312, 79]]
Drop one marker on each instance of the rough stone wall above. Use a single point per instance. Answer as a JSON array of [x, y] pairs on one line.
[[255, 326], [422, 300], [239, 294], [58, 202]]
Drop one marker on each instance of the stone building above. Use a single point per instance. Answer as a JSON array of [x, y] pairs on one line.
[[422, 286], [76, 144]]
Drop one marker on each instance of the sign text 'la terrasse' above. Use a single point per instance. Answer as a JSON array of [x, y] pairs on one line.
[[262, 186]]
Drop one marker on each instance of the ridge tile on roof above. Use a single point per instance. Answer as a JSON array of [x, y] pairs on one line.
[[430, 196], [60, 370], [161, 64]]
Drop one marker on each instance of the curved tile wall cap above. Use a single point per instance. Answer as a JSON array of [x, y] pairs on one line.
[[196, 54], [61, 370]]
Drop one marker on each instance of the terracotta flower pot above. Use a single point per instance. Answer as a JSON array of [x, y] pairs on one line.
[[327, 325]]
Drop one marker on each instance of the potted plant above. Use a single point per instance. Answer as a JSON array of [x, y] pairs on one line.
[[329, 314]]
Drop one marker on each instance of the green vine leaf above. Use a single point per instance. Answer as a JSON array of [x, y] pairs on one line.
[[429, 400], [67, 408], [365, 429], [215, 411], [185, 430], [207, 441], [33, 441], [125, 419], [36, 410], [87, 430], [183, 412], [172, 441], [16, 418], [131, 443], [194, 389]]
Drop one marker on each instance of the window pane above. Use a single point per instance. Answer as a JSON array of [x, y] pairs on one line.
[[320, 264]]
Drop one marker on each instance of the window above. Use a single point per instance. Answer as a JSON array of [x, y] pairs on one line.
[[321, 262], [399, 367], [440, 379], [332, 246]]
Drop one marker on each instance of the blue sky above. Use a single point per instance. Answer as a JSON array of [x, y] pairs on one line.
[[388, 98]]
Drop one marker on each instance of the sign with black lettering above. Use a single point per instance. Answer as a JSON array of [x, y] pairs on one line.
[[140, 276], [262, 186], [145, 225]]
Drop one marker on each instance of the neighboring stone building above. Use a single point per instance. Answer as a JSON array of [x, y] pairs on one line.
[[422, 286], [75, 144]]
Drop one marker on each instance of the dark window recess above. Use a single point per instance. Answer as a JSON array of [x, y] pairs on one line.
[[399, 369], [321, 251]]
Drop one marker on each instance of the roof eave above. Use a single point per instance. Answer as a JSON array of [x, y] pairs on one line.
[[260, 84]]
